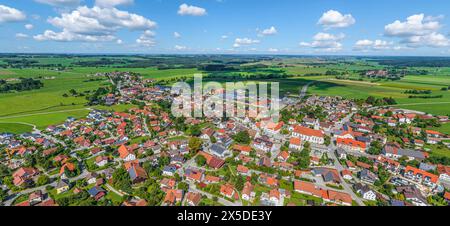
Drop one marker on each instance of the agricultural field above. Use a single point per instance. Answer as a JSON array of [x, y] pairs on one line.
[[19, 111]]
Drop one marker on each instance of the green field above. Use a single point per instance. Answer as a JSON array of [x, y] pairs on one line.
[[445, 128], [47, 106], [363, 89], [15, 128]]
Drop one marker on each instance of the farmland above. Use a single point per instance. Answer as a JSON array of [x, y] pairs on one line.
[[59, 74]]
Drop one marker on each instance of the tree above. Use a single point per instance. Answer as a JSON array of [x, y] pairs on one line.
[[122, 180], [163, 161], [3, 195], [242, 137], [195, 131], [327, 140], [304, 158], [239, 183], [200, 160], [183, 186], [43, 180], [213, 139], [195, 144], [375, 148]]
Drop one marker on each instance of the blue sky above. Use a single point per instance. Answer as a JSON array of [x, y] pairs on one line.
[[340, 27]]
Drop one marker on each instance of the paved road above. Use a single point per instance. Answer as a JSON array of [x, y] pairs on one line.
[[338, 165], [304, 90]]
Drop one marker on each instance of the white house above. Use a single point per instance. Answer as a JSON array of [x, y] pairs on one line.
[[295, 143]]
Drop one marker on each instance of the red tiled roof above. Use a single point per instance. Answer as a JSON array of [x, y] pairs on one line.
[[242, 148], [295, 141], [415, 171], [351, 142], [123, 152], [242, 169], [308, 132], [227, 190], [339, 197], [212, 179], [447, 195]]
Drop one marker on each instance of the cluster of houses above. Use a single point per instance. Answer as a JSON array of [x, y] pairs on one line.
[[140, 135]]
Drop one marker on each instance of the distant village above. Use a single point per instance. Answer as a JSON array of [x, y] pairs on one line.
[[324, 151]]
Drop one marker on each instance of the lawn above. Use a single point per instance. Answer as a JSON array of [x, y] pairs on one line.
[[115, 198], [438, 151], [15, 128], [301, 199], [42, 120], [445, 128], [394, 89], [47, 106]]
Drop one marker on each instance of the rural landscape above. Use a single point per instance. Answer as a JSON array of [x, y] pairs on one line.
[[88, 104], [88, 123]]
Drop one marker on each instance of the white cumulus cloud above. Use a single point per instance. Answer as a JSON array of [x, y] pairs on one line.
[[95, 24], [418, 30], [414, 25], [269, 31], [190, 10], [179, 47], [325, 42], [66, 36], [335, 19], [8, 14], [29, 26], [238, 42], [21, 35], [147, 39], [176, 35], [366, 45]]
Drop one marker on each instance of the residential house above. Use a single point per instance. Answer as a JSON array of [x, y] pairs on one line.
[[219, 151], [125, 154], [248, 192], [367, 176], [101, 161], [328, 175], [295, 143], [366, 192], [351, 145], [421, 176], [97, 192], [169, 170], [193, 198], [228, 191], [242, 170], [62, 186], [263, 143], [137, 173], [173, 196], [24, 175], [346, 174], [211, 179], [413, 195], [193, 175], [444, 175]]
